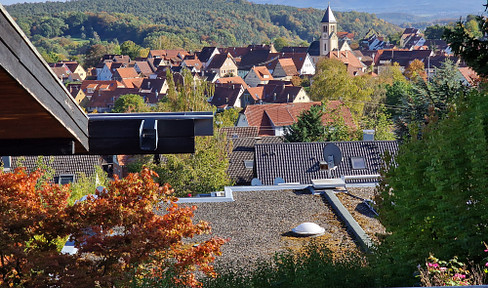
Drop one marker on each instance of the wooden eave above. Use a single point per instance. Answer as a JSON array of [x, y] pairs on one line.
[[35, 107]]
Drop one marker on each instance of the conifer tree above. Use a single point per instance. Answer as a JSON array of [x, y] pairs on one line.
[[308, 128]]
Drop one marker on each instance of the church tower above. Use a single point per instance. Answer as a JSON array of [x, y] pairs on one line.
[[328, 39]]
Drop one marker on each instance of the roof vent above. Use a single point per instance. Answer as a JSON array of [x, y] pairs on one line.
[[308, 229], [256, 182], [278, 181]]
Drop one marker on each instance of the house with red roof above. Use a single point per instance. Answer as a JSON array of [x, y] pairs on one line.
[[232, 80], [285, 69], [272, 119], [280, 92], [223, 65], [259, 75], [354, 65]]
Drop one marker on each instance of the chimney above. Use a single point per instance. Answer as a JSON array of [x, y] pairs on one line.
[[368, 135]]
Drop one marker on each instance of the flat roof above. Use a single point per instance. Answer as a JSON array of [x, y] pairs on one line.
[[259, 223]]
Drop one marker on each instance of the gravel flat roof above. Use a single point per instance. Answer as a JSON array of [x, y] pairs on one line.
[[258, 224]]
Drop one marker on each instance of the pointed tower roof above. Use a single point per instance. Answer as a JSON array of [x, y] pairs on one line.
[[329, 16]]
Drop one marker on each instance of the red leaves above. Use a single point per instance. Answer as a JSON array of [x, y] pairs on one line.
[[117, 231]]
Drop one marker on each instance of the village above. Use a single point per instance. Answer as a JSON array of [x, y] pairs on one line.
[[280, 195]]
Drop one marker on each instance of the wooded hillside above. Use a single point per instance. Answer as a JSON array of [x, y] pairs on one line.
[[191, 23]]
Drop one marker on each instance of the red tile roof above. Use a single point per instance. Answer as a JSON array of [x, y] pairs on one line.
[[232, 80], [267, 115], [125, 73], [288, 66], [470, 75], [256, 92], [263, 73]]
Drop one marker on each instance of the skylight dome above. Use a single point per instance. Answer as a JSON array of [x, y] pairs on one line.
[[308, 229]]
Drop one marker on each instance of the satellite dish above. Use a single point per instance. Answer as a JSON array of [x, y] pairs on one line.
[[278, 181], [332, 156], [256, 182]]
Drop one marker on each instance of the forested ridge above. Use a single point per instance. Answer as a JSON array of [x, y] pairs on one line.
[[189, 23]]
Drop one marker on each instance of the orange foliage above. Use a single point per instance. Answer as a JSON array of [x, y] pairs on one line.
[[118, 233], [415, 70]]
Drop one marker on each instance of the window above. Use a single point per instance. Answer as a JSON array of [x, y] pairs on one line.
[[325, 47], [249, 164], [65, 179], [325, 29], [358, 163]]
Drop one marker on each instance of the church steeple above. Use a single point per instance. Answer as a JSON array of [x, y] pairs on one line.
[[328, 39], [329, 16]]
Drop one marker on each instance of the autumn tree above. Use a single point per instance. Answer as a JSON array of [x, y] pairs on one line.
[[130, 103], [130, 48], [188, 95], [415, 70], [333, 82], [226, 118], [118, 232]]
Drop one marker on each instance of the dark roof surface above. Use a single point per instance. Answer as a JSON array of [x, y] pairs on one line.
[[329, 16], [314, 49], [239, 132], [226, 94], [284, 94], [69, 164], [256, 57], [243, 150], [206, 53], [299, 162], [218, 61]]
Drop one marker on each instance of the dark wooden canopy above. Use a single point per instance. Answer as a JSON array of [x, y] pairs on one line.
[[38, 116], [36, 111]]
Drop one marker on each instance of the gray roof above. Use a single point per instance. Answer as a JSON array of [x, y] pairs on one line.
[[258, 223], [299, 162], [239, 132], [314, 49], [329, 16], [243, 150], [62, 165]]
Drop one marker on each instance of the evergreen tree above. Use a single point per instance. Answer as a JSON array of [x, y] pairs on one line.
[[308, 128], [434, 198], [428, 100]]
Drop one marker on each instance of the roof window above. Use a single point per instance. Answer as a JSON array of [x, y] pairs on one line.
[[249, 164], [358, 163], [66, 179]]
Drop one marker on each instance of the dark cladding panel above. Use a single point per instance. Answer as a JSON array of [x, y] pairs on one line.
[[128, 134], [27, 147]]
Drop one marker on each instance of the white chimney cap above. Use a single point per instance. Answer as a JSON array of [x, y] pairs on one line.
[[308, 229]]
